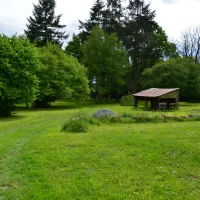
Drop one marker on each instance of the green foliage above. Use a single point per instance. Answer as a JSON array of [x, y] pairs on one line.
[[105, 14], [127, 100], [44, 26], [106, 61], [74, 48], [75, 125], [78, 122], [135, 26], [174, 73], [145, 41], [18, 64], [61, 76]]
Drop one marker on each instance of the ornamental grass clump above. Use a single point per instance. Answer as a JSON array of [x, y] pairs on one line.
[[79, 122]]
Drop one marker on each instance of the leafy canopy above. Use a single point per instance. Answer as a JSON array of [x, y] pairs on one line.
[[61, 76], [18, 64], [180, 73], [106, 61]]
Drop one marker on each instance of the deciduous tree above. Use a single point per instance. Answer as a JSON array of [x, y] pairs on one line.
[[74, 48], [60, 76], [180, 73], [106, 61], [18, 64], [189, 44]]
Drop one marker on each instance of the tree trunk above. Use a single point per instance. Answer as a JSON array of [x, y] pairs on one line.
[[136, 75]]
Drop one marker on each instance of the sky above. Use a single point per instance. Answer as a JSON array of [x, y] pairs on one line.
[[174, 16]]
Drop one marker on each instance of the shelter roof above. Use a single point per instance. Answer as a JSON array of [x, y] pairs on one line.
[[155, 92]]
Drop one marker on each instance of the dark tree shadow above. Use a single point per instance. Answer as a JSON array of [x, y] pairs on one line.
[[13, 117]]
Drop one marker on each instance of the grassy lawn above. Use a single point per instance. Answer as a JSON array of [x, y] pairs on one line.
[[111, 161]]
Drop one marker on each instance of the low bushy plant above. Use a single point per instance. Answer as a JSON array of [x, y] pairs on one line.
[[127, 100], [127, 120], [116, 119], [75, 125], [78, 122], [94, 121]]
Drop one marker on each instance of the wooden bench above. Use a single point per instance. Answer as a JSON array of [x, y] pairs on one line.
[[162, 105]]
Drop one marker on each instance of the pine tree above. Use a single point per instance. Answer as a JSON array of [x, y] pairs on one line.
[[95, 19], [112, 18], [45, 26], [96, 16], [140, 28], [107, 16]]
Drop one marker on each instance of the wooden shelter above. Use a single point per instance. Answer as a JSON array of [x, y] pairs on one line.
[[160, 98]]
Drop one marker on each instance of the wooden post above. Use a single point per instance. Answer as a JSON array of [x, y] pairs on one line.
[[146, 103], [135, 102], [152, 103], [177, 99]]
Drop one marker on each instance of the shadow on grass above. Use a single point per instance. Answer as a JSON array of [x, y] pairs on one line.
[[50, 108], [65, 105], [13, 117]]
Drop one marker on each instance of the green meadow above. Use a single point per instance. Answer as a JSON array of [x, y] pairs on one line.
[[110, 161]]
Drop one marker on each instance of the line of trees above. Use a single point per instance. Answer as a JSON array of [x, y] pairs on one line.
[[37, 76], [154, 61], [119, 49], [34, 69], [144, 41]]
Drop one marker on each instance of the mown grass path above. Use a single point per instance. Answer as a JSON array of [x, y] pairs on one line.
[[115, 161]]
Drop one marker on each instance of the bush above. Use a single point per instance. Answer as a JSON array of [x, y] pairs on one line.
[[127, 120], [77, 123], [127, 100], [94, 121]]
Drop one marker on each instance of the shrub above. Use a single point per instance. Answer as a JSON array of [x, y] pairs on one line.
[[78, 122], [115, 119], [75, 125], [127, 120], [94, 121], [127, 100]]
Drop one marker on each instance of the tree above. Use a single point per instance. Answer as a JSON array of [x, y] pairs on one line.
[[60, 76], [44, 26], [95, 19], [189, 44], [74, 48], [112, 18], [145, 40], [18, 64], [180, 73], [106, 61], [107, 16]]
